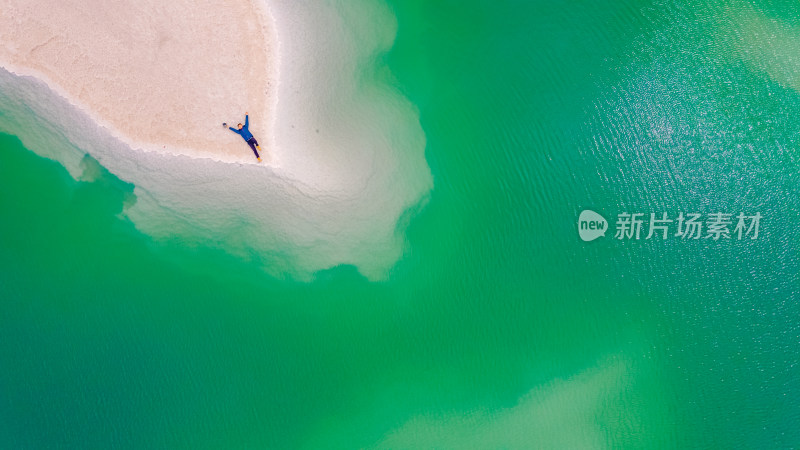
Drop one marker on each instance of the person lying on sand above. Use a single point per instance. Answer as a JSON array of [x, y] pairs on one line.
[[245, 133]]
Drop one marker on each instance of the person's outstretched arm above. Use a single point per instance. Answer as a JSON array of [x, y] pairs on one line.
[[246, 120], [234, 130]]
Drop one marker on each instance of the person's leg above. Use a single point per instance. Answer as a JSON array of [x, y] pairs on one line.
[[253, 144]]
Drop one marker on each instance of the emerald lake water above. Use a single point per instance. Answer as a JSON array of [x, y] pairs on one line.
[[499, 327]]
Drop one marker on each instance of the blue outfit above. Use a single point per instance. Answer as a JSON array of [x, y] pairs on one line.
[[244, 132], [247, 135]]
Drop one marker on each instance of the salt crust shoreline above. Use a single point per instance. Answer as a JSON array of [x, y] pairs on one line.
[[346, 168], [222, 145]]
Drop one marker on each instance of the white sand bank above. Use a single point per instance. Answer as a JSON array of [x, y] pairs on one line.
[[160, 75], [346, 148]]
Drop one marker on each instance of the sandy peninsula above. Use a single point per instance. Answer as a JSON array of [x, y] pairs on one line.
[[344, 149], [160, 75]]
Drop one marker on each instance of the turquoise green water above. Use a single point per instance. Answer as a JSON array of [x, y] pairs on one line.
[[499, 328]]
